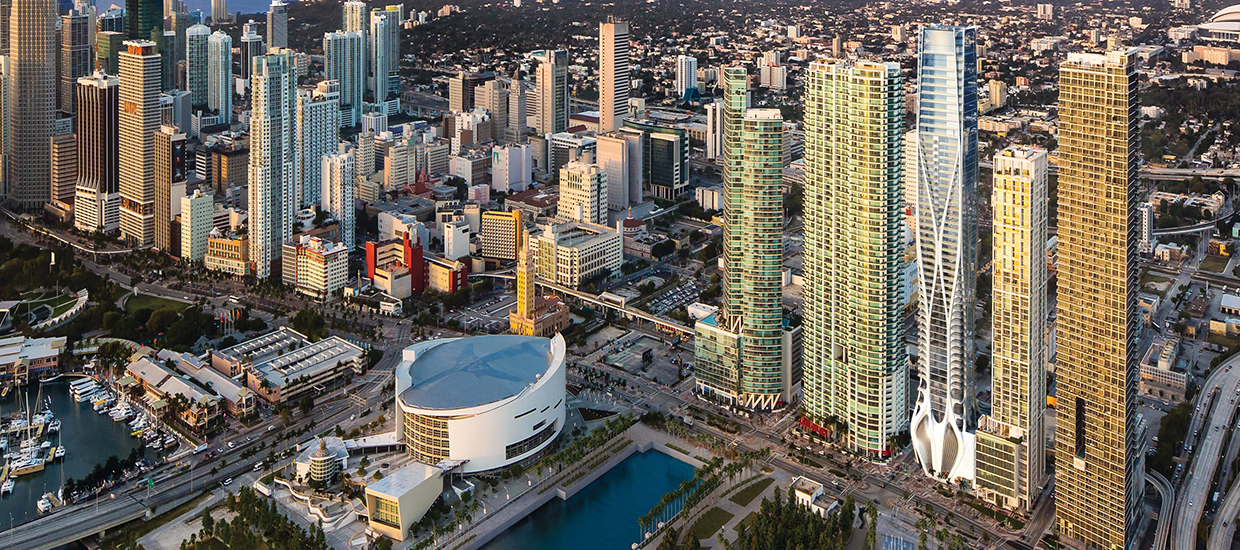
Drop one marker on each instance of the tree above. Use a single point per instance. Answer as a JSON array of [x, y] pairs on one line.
[[306, 405], [208, 523], [383, 543]]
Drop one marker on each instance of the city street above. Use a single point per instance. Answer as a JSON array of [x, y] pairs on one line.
[[1215, 414]]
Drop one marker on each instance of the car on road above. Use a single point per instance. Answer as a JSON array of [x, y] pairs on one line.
[[228, 481], [271, 427], [258, 466], [231, 444]]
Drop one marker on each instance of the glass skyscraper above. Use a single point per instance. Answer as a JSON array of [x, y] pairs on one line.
[[856, 361], [943, 418]]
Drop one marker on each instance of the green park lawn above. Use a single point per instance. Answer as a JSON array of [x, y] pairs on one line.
[[710, 522], [134, 303]]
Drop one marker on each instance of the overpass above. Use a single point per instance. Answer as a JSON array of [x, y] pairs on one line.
[[597, 301], [1166, 495], [46, 233]]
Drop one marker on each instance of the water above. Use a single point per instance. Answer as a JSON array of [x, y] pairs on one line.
[[604, 515], [89, 438]]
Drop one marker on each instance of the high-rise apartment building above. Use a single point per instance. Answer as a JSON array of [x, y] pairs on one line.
[[613, 61], [219, 75], [318, 134], [197, 73], [273, 159], [740, 349], [1011, 440], [170, 176], [583, 193], [97, 201], [344, 54], [277, 24], [196, 217], [551, 91], [1099, 477], [686, 76], [337, 193], [944, 416], [139, 120], [32, 102], [856, 362], [251, 46], [384, 53], [714, 129], [355, 16], [76, 58]]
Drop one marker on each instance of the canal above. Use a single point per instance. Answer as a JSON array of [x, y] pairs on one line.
[[604, 515], [89, 439]]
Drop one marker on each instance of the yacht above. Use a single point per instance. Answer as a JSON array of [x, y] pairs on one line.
[[53, 427], [60, 452], [45, 503], [7, 487]]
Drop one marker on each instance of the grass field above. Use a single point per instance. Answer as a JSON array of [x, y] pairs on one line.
[[59, 303], [750, 492], [744, 522], [1213, 263], [134, 303], [710, 522]]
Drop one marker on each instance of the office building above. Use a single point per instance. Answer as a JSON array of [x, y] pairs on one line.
[[197, 72], [535, 315], [856, 362], [251, 46], [317, 134], [277, 24], [664, 157], [384, 54], [139, 120], [456, 239], [317, 268], [573, 252], [337, 176], [170, 176], [739, 350], [273, 159], [461, 91], [499, 235], [551, 91], [619, 154], [514, 131], [511, 168], [344, 55], [1011, 440], [400, 499], [64, 166], [219, 75], [108, 46], [686, 77], [144, 20], [228, 254], [1146, 240], [613, 56], [492, 95], [219, 12], [196, 217], [1099, 477], [583, 193], [714, 129], [32, 102], [76, 58], [944, 416], [96, 200]]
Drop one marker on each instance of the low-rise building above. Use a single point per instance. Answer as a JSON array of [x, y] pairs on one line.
[[534, 203], [499, 235], [315, 267], [401, 498], [396, 266], [23, 359], [1161, 377], [809, 493], [321, 461], [238, 400], [283, 365], [1230, 305], [195, 406], [445, 275]]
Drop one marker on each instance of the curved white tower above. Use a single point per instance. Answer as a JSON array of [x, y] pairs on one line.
[[943, 418]]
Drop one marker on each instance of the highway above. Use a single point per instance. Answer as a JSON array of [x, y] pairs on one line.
[[1212, 417], [1166, 498], [1224, 530]]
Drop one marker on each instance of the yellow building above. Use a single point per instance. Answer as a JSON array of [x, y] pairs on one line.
[[534, 315], [500, 235], [229, 254], [1099, 468]]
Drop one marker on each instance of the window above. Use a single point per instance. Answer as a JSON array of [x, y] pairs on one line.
[[530, 443]]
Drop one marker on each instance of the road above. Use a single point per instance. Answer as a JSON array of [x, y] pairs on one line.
[[1211, 418], [1165, 511]]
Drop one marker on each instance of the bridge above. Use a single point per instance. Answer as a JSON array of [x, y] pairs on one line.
[[596, 300]]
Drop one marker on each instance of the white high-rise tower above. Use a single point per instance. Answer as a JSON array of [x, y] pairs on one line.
[[273, 158], [613, 60]]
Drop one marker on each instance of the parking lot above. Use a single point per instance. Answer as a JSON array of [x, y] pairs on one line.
[[679, 296], [628, 352], [489, 314]]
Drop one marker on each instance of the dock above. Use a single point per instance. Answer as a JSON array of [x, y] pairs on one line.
[[25, 431]]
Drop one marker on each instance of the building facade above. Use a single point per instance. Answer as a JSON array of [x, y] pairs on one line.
[[219, 75], [273, 159], [139, 120], [583, 193], [31, 96], [614, 77], [97, 200]]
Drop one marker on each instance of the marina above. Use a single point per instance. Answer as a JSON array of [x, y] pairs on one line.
[[37, 463]]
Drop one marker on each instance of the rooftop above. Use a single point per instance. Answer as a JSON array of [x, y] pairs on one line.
[[468, 372], [285, 354], [398, 482]]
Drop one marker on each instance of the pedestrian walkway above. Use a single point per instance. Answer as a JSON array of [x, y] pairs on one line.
[[170, 535]]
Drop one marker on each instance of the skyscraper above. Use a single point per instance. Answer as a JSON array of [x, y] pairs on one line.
[[139, 119], [32, 103], [583, 193], [740, 349], [613, 60], [492, 95], [318, 134], [686, 75], [355, 17], [76, 58], [345, 62], [108, 46], [169, 175], [251, 47], [461, 92], [714, 129], [219, 75], [384, 50], [96, 202], [856, 361], [219, 12], [619, 154], [197, 73], [144, 20], [337, 193], [64, 167], [1011, 440], [517, 106], [1099, 481], [551, 92], [273, 158], [944, 418], [277, 24]]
